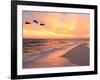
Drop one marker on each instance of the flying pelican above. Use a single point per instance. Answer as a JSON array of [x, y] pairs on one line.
[[35, 21], [27, 22], [41, 24]]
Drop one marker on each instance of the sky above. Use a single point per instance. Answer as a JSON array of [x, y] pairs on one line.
[[57, 25]]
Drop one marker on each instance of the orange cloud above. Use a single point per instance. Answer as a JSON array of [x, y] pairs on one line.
[[58, 25]]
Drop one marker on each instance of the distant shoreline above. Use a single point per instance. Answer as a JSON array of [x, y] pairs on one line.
[[57, 39]]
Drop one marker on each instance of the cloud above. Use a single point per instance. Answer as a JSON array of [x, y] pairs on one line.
[[57, 25]]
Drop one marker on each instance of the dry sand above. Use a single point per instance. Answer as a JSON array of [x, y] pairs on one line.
[[78, 55]]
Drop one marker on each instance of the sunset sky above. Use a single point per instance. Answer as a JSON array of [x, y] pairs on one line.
[[57, 25]]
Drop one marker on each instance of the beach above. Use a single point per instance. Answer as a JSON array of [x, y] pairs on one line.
[[57, 53]]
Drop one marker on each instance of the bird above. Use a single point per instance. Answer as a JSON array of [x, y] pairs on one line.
[[27, 22], [41, 24], [35, 21]]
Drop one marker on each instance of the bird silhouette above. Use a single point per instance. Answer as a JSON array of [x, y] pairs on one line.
[[41, 24], [35, 21], [27, 22]]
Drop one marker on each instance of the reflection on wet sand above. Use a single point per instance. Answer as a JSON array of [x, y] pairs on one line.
[[49, 62], [50, 53]]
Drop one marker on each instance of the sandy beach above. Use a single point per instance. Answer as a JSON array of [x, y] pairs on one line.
[[76, 55]]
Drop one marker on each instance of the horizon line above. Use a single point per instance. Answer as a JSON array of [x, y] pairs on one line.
[[56, 38]]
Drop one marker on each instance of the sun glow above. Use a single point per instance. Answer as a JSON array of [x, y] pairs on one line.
[[57, 25]]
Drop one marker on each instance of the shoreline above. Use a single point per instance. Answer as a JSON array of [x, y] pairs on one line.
[[51, 52]]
